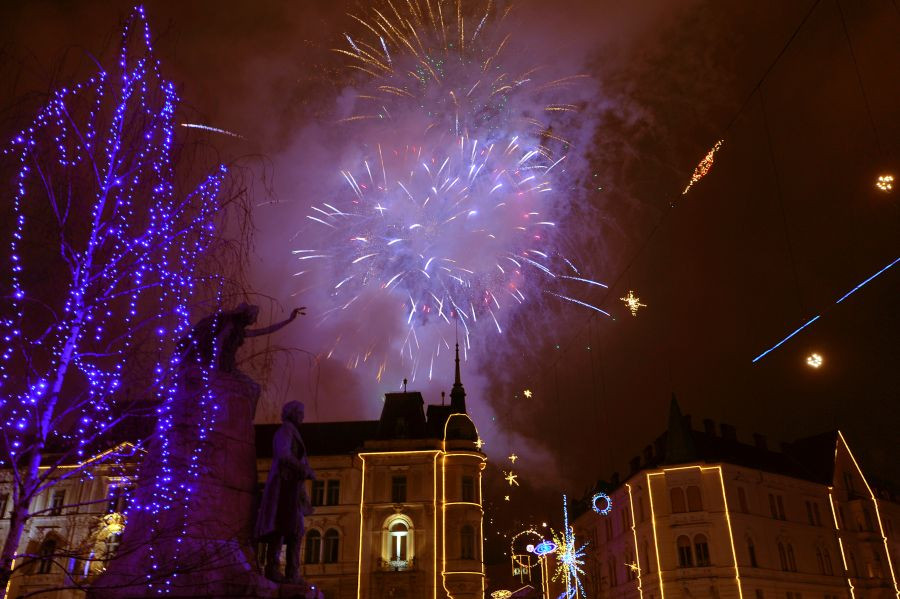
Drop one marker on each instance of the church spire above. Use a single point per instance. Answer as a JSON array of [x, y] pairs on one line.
[[457, 394]]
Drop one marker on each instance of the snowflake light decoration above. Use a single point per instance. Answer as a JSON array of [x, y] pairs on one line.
[[885, 182], [569, 558], [814, 360], [607, 505], [513, 457], [511, 478], [633, 302], [527, 393]]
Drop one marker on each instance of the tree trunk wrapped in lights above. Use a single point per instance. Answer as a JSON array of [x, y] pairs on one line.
[[105, 262]]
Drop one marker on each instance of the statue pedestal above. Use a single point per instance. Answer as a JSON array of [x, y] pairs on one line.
[[204, 548]]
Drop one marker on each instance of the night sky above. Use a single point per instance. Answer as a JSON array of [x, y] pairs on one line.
[[786, 222]]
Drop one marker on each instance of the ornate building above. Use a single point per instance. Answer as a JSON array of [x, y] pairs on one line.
[[398, 508], [704, 515]]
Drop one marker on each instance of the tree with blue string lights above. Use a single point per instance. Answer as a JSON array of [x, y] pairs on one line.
[[107, 256]]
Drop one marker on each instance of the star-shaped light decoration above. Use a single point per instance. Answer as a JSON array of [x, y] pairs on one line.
[[513, 457], [527, 393], [633, 567], [633, 302], [885, 182], [506, 498], [511, 478], [814, 360], [479, 443]]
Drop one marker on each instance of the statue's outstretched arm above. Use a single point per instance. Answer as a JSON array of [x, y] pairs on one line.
[[278, 325]]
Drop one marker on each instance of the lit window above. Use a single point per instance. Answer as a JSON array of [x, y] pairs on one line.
[[399, 545], [676, 497], [467, 542], [701, 550], [331, 547], [313, 547], [685, 557]]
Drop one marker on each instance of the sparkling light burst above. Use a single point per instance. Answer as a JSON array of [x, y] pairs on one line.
[[451, 235], [704, 166], [885, 182], [569, 558], [633, 302]]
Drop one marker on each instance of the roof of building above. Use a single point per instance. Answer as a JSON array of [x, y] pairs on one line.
[[322, 438]]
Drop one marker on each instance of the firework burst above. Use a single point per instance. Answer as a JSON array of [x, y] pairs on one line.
[[449, 65], [448, 239]]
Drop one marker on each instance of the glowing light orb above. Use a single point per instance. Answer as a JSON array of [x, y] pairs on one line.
[[607, 504], [814, 360], [633, 302], [529, 548], [885, 182], [544, 548]]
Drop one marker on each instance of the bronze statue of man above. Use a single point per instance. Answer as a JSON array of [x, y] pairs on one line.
[[285, 501]]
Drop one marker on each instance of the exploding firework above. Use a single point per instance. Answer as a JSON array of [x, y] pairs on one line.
[[449, 239], [451, 67]]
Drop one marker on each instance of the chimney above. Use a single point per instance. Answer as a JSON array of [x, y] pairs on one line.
[[709, 426], [760, 441], [728, 432], [635, 464], [648, 455]]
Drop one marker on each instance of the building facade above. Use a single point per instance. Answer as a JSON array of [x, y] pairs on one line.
[[398, 505], [704, 515]]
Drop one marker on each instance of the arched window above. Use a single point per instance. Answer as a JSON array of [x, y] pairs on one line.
[[313, 547], [467, 542], [685, 558], [701, 550], [742, 500], [399, 533], [792, 563], [695, 502], [820, 560], [782, 557], [826, 557], [46, 552], [676, 497], [331, 547], [751, 551]]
